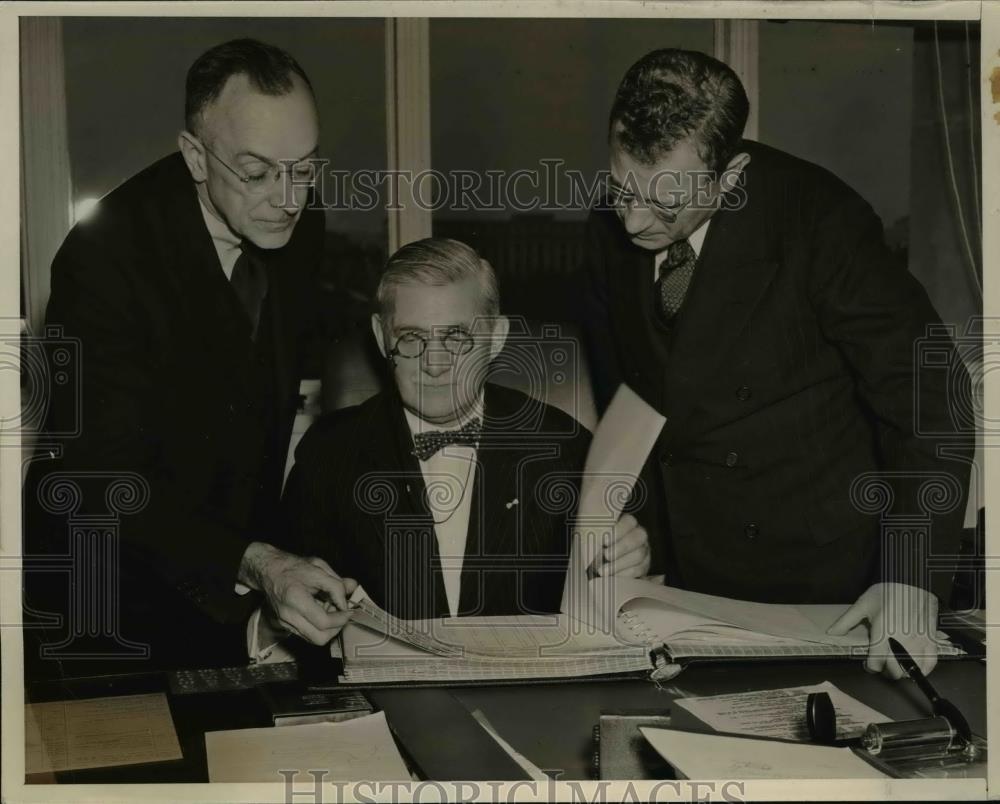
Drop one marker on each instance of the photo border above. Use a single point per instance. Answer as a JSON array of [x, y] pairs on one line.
[[12, 699]]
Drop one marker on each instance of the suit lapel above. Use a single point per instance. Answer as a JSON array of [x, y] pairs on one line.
[[641, 342], [280, 301], [213, 311], [494, 510], [413, 562], [733, 271]]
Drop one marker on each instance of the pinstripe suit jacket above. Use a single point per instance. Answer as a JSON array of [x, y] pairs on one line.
[[796, 368]]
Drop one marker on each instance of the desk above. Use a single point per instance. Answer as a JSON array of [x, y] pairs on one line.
[[549, 723]]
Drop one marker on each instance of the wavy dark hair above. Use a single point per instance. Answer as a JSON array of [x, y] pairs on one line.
[[269, 69], [671, 95]]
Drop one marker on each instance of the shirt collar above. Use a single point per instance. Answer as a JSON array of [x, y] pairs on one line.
[[418, 425], [696, 239], [223, 237]]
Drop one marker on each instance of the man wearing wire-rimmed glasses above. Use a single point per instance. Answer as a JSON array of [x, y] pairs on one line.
[[446, 494], [191, 291], [748, 297]]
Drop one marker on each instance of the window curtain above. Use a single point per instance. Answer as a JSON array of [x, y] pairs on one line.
[[946, 211], [945, 250]]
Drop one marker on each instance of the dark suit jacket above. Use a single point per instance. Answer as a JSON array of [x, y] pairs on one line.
[[172, 391], [793, 369], [356, 498]]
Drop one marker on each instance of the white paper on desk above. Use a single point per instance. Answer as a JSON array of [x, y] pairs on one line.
[[714, 756], [622, 441], [779, 713], [98, 733], [352, 750]]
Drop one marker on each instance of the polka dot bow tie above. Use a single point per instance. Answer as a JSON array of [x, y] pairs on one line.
[[426, 444]]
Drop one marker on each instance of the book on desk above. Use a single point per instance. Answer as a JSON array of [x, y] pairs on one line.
[[627, 627]]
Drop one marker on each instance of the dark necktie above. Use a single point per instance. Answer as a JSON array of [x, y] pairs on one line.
[[675, 276], [249, 280], [426, 444]]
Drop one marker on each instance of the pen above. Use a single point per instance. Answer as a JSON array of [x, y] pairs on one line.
[[940, 706]]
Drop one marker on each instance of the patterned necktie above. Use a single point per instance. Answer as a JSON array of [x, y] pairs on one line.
[[426, 444], [675, 276], [249, 280]]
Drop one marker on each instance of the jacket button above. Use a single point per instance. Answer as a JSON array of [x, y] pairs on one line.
[[744, 393], [731, 459], [751, 531], [668, 459]]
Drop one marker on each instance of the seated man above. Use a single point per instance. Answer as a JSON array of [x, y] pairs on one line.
[[446, 495]]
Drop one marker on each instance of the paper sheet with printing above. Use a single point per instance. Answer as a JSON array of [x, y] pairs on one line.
[[779, 713], [98, 733]]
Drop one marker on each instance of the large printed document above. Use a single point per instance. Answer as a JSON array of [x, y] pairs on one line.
[[98, 733], [380, 648], [638, 623]]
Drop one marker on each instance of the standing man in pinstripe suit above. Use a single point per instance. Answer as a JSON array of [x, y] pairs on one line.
[[749, 298]]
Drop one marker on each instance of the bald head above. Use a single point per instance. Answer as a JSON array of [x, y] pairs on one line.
[[268, 69], [284, 126], [251, 139]]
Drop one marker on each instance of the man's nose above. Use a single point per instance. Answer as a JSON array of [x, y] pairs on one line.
[[288, 194], [635, 219], [436, 360]]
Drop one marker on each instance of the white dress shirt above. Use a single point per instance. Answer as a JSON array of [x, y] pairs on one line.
[[696, 239], [226, 242], [449, 475]]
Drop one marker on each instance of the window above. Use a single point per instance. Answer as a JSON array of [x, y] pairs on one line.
[[528, 99]]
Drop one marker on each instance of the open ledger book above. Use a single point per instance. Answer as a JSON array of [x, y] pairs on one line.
[[639, 627]]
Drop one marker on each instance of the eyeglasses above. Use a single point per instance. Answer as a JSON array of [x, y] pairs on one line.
[[304, 172], [412, 344], [622, 199]]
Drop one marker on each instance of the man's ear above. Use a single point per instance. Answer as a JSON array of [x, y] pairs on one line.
[[379, 334], [194, 155], [501, 326], [731, 175]]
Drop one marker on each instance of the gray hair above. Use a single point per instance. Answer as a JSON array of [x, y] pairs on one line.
[[436, 261]]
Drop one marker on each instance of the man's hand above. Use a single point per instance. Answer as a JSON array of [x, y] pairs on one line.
[[626, 552], [304, 596], [907, 613]]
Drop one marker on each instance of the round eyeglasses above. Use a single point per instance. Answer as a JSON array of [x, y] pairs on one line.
[[412, 344], [623, 200]]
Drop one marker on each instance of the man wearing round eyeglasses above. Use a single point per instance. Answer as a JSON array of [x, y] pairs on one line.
[[748, 297], [446, 494], [191, 291]]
